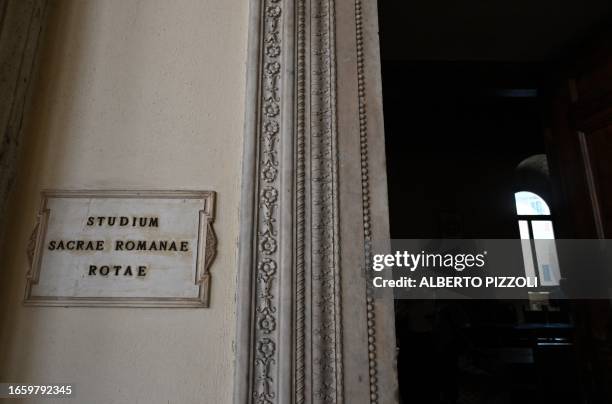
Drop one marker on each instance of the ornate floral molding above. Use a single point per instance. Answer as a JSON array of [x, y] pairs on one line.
[[290, 339], [266, 287]]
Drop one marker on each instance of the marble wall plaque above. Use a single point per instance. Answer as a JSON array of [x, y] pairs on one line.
[[122, 248]]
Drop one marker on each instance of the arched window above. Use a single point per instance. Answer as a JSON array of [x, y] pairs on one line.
[[535, 224]]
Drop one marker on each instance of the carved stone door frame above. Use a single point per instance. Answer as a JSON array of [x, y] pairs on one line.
[[314, 197]]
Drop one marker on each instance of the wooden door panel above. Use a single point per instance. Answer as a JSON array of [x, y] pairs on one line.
[[580, 146], [597, 152]]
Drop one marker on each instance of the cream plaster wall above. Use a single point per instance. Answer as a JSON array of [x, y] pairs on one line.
[[140, 95]]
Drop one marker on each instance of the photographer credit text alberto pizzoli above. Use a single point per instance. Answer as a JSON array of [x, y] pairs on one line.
[[404, 260]]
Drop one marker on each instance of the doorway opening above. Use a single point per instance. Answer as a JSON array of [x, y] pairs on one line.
[[483, 141]]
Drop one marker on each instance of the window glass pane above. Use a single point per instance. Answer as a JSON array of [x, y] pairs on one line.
[[524, 229], [526, 247], [542, 230], [528, 203], [546, 252]]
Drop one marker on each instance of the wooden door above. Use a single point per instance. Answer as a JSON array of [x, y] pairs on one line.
[[580, 144]]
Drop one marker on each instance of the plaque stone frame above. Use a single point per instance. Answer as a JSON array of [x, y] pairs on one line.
[[205, 253]]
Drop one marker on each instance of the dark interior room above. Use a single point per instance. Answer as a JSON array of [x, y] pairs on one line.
[[483, 100]]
